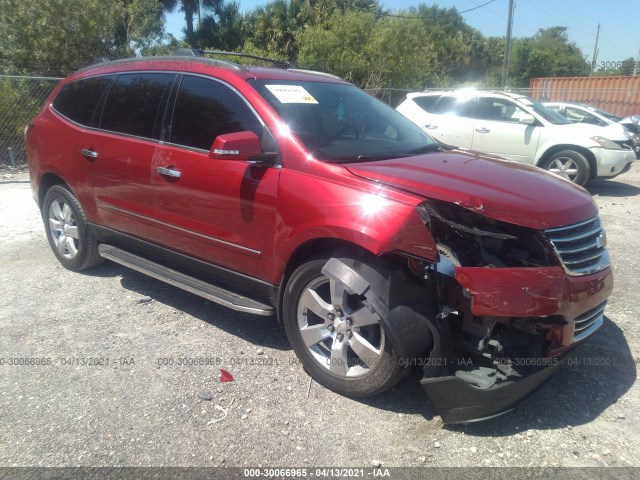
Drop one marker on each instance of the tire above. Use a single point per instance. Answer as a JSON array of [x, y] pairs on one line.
[[570, 165], [348, 353], [67, 230]]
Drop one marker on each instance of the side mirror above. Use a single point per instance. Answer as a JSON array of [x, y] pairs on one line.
[[527, 119], [243, 146]]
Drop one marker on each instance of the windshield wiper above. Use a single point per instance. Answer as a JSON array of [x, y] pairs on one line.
[[365, 157], [432, 147]]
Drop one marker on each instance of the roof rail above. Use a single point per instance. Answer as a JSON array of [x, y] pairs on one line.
[[99, 60], [195, 52]]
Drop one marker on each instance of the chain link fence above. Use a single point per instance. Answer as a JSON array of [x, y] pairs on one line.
[[21, 98]]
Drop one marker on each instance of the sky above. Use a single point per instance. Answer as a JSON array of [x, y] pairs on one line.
[[619, 21]]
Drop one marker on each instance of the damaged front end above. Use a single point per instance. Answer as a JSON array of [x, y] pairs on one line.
[[514, 303]]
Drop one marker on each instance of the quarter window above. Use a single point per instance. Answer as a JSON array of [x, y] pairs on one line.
[[426, 102], [78, 100], [205, 109], [132, 104]]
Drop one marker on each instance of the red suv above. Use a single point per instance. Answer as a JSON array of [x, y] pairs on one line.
[[293, 193]]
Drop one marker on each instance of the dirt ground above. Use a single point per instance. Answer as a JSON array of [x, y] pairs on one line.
[[127, 375]]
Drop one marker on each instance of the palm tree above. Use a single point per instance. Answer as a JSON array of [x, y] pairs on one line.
[[191, 8]]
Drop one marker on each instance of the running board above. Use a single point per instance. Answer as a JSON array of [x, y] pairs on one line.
[[185, 282]]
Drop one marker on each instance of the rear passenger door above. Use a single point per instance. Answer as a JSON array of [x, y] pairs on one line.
[[121, 152], [220, 211]]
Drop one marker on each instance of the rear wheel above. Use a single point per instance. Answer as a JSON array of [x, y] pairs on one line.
[[571, 165], [337, 335], [67, 230]]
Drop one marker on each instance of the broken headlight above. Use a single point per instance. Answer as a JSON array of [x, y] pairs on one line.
[[480, 241]]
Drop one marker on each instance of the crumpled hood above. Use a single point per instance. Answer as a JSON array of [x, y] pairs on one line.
[[494, 187]]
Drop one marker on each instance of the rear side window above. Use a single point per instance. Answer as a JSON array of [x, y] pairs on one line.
[[133, 102], [205, 109], [78, 100], [426, 103], [450, 104]]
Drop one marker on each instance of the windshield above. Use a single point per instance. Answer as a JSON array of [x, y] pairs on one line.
[[608, 115], [549, 115], [339, 122]]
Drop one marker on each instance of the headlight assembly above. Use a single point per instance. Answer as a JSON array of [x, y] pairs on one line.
[[606, 143]]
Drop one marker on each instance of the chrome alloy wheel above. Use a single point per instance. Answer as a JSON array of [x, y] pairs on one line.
[[63, 228], [341, 333], [564, 167]]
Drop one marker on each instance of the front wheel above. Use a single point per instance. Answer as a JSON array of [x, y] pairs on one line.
[[337, 334], [569, 164], [67, 230]]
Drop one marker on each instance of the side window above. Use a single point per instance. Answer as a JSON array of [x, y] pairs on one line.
[[78, 100], [132, 104], [498, 110], [205, 109], [426, 103]]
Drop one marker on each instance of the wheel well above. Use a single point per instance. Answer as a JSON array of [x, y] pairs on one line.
[[47, 181], [312, 248], [588, 154]]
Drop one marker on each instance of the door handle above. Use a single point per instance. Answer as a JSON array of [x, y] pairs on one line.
[[89, 153], [431, 126], [169, 172], [482, 130]]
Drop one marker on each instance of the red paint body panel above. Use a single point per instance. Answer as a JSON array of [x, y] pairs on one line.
[[534, 292]]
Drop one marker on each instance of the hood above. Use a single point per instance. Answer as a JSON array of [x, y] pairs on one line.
[[613, 131], [491, 186]]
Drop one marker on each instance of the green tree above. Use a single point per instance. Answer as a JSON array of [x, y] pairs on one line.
[[370, 51], [549, 53], [274, 27], [58, 36]]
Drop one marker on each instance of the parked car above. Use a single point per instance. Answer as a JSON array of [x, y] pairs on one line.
[[580, 113], [521, 129], [292, 193]]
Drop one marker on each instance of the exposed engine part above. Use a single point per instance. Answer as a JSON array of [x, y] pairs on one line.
[[448, 261]]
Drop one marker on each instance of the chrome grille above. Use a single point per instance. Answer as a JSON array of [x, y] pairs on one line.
[[588, 322], [581, 247]]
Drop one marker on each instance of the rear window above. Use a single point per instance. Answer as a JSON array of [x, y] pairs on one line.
[[132, 104], [78, 100]]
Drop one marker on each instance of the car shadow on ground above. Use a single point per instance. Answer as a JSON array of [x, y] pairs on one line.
[[257, 330], [596, 377], [612, 188]]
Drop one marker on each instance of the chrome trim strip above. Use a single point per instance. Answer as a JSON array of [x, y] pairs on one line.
[[114, 209], [575, 225], [580, 236]]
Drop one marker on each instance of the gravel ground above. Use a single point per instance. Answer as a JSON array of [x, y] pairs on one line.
[[139, 410]]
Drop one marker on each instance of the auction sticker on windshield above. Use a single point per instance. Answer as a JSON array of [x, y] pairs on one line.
[[291, 94]]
